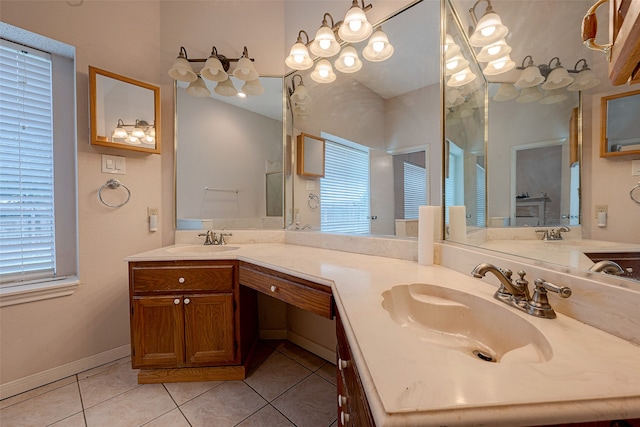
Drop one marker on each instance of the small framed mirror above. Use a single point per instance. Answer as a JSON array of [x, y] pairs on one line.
[[619, 125], [124, 113], [310, 155]]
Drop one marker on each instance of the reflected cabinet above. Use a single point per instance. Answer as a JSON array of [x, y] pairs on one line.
[[619, 124]]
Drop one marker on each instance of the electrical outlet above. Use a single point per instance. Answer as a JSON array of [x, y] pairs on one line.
[[600, 208], [152, 211]]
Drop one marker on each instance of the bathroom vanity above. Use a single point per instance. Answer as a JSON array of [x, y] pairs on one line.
[[545, 372]]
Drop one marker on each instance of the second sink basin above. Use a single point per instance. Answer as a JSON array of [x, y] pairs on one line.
[[201, 249], [457, 320]]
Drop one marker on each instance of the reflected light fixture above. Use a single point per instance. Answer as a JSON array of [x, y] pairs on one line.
[[141, 131], [553, 96], [325, 44], [488, 29], [120, 131], [378, 49], [450, 48], [198, 88], [181, 69], [494, 51], [461, 78], [455, 65], [299, 94], [585, 79], [226, 88], [323, 73], [529, 94], [348, 62], [253, 88], [506, 92], [299, 58], [499, 66], [355, 26]]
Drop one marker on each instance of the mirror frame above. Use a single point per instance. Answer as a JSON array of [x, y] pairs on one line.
[[95, 140], [308, 149], [604, 152]]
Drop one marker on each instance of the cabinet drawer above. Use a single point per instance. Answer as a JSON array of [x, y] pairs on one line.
[[301, 293], [153, 278]]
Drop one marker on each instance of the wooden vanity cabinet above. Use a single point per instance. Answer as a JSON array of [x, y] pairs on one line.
[[353, 408], [186, 321]]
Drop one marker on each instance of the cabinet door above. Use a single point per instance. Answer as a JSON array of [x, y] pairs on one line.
[[209, 329], [157, 332]]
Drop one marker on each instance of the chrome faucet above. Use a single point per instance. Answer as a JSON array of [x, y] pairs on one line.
[[210, 237], [552, 234], [608, 267], [516, 294]]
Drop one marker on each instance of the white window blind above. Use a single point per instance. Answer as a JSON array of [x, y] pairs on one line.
[[344, 190], [481, 194], [27, 229], [453, 183], [415, 189]]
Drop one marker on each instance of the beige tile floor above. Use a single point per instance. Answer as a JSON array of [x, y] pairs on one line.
[[286, 386]]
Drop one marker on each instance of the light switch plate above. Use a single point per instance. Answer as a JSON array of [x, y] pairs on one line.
[[635, 167], [113, 165]]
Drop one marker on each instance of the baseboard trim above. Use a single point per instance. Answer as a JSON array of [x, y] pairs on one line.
[[273, 334], [54, 374], [328, 354]]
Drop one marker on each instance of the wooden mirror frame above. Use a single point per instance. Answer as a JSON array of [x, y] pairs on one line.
[[604, 143], [310, 155], [96, 104]]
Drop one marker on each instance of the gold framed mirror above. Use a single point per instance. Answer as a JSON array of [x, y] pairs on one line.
[[310, 156], [619, 126], [124, 113]]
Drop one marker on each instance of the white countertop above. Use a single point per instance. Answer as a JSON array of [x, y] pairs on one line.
[[591, 376]]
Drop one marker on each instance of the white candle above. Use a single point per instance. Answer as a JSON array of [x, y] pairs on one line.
[[427, 219], [457, 223]]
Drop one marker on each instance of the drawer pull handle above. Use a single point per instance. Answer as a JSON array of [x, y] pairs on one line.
[[187, 300], [181, 280], [341, 400], [273, 288], [344, 418], [176, 301], [342, 364]]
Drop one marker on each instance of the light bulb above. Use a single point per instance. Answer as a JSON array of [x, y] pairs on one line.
[[487, 31], [323, 73], [355, 25], [349, 61], [298, 58], [460, 77], [452, 64], [498, 65], [324, 44], [378, 46], [493, 50]]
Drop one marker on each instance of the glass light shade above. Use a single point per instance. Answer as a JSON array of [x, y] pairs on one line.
[[453, 98], [355, 26], [558, 78], [455, 65], [506, 92], [450, 51], [138, 132], [148, 139], [299, 58], [378, 49], [462, 78], [489, 30], [529, 77], [586, 79], [225, 88], [554, 96], [325, 44], [301, 111], [494, 51], [253, 88], [499, 66], [241, 94], [213, 70], [182, 71], [348, 62], [132, 140], [198, 89], [529, 94], [462, 112], [323, 73], [301, 95], [245, 70], [120, 132]]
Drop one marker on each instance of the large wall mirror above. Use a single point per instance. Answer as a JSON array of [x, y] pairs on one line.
[[533, 141], [229, 159], [124, 113]]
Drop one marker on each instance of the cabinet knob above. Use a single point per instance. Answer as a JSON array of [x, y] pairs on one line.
[[341, 400], [187, 300], [181, 280], [342, 364], [273, 289], [344, 418], [176, 301]]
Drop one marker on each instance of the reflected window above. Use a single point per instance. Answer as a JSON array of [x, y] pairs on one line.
[[454, 179], [344, 190], [481, 194], [415, 189]]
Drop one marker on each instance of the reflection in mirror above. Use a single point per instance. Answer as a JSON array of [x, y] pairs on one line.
[[620, 134], [229, 159], [382, 130], [125, 113], [310, 160]]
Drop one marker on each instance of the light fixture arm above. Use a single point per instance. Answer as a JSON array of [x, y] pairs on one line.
[[558, 64], [472, 10], [529, 64], [223, 59], [299, 39], [293, 83], [183, 53], [585, 66]]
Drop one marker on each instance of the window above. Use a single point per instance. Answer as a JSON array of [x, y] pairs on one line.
[[454, 179], [344, 190], [38, 232], [415, 189]]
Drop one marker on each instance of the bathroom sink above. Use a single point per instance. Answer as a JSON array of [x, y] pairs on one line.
[[482, 329], [201, 249]]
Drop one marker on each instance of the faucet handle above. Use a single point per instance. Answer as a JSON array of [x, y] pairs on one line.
[[539, 305], [545, 234], [563, 291]]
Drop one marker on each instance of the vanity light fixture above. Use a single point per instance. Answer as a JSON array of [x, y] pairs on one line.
[[378, 49], [455, 65], [585, 79], [299, 97], [141, 131], [461, 78], [450, 48], [529, 94], [488, 29], [530, 76], [216, 69], [253, 88], [299, 58], [323, 73], [325, 44], [499, 66], [558, 76], [506, 92], [348, 62], [355, 26]]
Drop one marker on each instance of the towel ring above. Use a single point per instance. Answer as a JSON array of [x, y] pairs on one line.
[[113, 184], [636, 187], [313, 201]]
